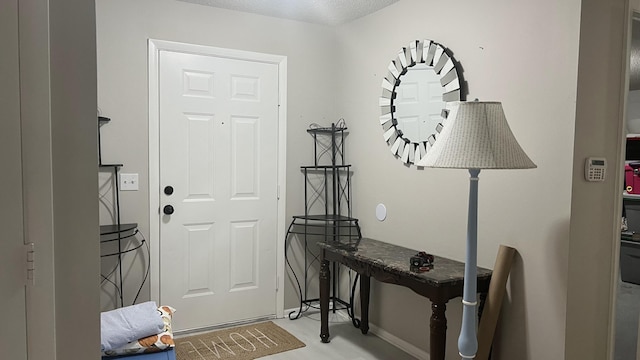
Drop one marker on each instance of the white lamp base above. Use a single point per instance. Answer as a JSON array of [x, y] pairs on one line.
[[468, 341]]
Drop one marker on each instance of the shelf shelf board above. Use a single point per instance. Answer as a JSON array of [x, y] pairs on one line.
[[327, 130], [114, 229], [322, 167], [626, 195], [630, 236], [325, 217]]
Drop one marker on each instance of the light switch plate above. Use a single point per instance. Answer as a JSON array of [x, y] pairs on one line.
[[128, 182]]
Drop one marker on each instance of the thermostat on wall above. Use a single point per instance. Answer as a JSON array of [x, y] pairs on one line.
[[595, 169]]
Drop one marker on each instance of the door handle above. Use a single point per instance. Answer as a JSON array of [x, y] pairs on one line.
[[167, 209], [168, 190]]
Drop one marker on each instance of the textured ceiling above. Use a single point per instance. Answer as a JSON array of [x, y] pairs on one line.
[[329, 12]]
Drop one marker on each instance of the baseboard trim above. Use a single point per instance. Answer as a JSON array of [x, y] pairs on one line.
[[384, 335], [189, 332], [399, 343]]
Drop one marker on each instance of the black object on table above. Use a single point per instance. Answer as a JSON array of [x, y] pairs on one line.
[[389, 263]]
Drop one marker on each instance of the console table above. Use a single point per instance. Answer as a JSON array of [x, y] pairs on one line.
[[390, 263]]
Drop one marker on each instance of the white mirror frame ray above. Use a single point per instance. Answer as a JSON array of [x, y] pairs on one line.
[[444, 65]]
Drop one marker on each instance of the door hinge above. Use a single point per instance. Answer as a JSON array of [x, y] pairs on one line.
[[30, 253], [278, 192], [277, 283]]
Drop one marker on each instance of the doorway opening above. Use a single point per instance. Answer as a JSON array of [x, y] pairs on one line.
[[628, 282]]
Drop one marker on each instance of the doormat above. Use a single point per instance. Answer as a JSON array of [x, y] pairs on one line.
[[238, 343]]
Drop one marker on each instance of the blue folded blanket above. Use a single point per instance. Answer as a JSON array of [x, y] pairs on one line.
[[120, 326]]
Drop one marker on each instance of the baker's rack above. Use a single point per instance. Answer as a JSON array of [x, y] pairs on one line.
[[327, 210]]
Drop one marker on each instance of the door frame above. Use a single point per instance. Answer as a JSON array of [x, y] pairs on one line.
[[155, 46], [632, 13], [13, 285]]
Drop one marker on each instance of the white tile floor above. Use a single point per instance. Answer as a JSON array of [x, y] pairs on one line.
[[347, 342], [627, 312]]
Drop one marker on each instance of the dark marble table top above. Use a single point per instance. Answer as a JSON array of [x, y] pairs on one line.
[[395, 259]]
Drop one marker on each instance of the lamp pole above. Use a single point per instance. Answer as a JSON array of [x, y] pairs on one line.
[[468, 342]]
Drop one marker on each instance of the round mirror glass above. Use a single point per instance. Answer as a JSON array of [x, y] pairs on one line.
[[421, 81], [418, 103]]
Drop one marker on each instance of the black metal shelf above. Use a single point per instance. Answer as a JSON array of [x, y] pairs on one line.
[[337, 226], [327, 216], [115, 232]]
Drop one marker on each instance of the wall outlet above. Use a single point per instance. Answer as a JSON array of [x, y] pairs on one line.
[[128, 182]]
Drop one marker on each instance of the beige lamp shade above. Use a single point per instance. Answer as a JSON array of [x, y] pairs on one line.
[[477, 136]]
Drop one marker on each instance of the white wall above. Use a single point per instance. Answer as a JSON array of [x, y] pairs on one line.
[[532, 69], [57, 101], [123, 28], [596, 208], [37, 169], [73, 184], [12, 294], [525, 54]]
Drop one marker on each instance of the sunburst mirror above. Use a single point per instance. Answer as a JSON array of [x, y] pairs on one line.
[[417, 94]]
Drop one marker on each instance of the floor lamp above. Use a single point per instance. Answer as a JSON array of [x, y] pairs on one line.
[[476, 136]]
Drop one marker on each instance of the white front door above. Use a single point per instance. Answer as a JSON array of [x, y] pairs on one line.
[[218, 130], [13, 333], [419, 103]]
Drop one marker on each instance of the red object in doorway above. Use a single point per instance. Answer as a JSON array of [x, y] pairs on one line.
[[632, 177]]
